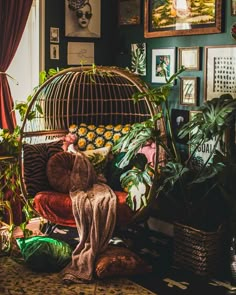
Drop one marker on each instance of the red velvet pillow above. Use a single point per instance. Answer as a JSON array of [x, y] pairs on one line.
[[120, 261], [59, 168]]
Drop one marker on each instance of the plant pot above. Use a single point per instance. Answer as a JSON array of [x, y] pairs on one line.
[[198, 251]]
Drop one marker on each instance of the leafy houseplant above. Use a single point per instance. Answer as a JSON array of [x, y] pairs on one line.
[[10, 174], [197, 193]]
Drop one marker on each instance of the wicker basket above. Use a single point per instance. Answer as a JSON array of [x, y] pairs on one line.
[[197, 251]]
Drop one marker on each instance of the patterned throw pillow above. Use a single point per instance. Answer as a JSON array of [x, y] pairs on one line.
[[36, 157], [92, 137], [120, 261]]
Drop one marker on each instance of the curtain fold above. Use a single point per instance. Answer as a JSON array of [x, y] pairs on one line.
[[13, 18]]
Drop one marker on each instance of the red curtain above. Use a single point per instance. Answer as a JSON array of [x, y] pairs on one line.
[[13, 17]]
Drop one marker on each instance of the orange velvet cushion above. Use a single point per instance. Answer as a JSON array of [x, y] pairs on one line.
[[59, 168], [120, 261]]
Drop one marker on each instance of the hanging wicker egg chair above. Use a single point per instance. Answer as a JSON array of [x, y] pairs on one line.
[[100, 96]]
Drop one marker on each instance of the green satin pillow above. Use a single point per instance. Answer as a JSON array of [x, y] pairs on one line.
[[44, 254]]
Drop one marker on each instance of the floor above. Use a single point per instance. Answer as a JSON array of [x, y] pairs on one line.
[[157, 248]]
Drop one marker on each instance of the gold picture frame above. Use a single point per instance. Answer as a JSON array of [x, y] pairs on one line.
[[175, 18], [189, 57], [188, 91]]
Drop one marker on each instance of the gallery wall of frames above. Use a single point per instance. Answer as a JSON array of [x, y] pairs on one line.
[[143, 34]]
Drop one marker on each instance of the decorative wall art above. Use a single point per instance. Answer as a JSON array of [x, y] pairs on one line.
[[182, 17], [220, 71], [54, 51], [129, 12], [178, 119], [80, 53], [163, 58], [83, 18], [188, 91], [233, 7], [138, 58], [204, 150], [54, 35], [189, 58]]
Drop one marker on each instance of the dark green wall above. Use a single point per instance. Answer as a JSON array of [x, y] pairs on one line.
[[113, 48], [134, 34], [104, 46]]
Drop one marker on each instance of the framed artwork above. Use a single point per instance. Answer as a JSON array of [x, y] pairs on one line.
[[83, 18], [233, 7], [80, 53], [188, 91], [219, 71], [178, 119], [54, 35], [138, 58], [54, 51], [129, 12], [163, 58], [182, 17], [204, 150], [189, 58]]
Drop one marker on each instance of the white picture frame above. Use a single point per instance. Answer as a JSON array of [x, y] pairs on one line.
[[72, 26], [54, 51], [80, 53], [54, 35], [164, 56], [219, 71]]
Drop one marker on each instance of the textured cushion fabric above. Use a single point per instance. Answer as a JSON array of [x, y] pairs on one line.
[[59, 168], [57, 208], [36, 157], [120, 261], [45, 254], [91, 137]]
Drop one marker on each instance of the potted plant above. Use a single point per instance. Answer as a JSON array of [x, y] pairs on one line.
[[198, 193]]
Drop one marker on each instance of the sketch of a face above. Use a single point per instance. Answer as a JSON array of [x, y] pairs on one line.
[[84, 15]]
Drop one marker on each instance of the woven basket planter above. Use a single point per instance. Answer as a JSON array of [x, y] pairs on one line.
[[197, 251]]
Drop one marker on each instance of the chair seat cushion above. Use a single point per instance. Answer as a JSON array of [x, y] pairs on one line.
[[47, 204]]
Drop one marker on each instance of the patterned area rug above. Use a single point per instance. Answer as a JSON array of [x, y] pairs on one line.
[[17, 279]]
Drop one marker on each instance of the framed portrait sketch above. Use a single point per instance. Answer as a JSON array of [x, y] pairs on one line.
[[83, 18], [189, 58], [178, 119], [54, 35], [129, 12], [219, 71], [182, 17], [188, 91], [163, 58], [233, 7], [80, 53]]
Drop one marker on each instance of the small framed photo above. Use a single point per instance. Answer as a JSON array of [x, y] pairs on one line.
[[54, 35], [188, 91], [219, 71], [54, 51], [129, 12], [189, 57], [233, 7], [163, 58], [179, 117]]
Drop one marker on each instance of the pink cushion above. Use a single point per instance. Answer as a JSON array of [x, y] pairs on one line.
[[149, 150], [57, 208]]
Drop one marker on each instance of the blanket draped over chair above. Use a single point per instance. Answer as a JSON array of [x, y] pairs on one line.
[[94, 207]]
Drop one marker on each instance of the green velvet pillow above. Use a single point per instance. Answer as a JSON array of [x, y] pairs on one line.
[[44, 254]]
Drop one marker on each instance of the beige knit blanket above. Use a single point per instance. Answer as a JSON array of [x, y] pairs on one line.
[[94, 209]]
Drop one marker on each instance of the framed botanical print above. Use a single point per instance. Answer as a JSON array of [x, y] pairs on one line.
[[163, 59], [189, 58], [182, 17], [83, 18], [129, 12], [188, 91], [219, 71]]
